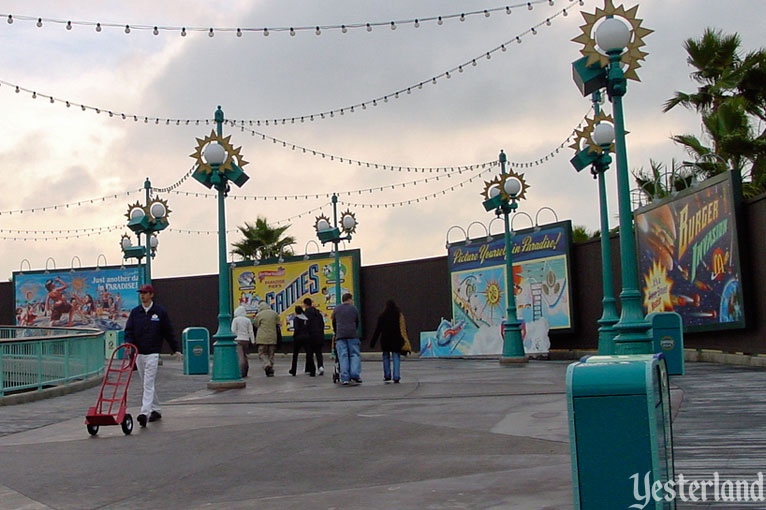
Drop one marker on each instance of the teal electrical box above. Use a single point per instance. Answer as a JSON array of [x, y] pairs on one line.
[[668, 336], [196, 342], [112, 340], [619, 430]]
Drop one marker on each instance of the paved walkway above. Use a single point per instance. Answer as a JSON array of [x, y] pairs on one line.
[[454, 434]]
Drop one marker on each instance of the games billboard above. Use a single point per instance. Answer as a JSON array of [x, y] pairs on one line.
[[688, 256], [283, 285], [541, 286], [96, 298]]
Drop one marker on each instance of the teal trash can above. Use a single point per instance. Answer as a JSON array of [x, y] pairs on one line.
[[668, 336], [619, 430], [112, 340], [196, 342]]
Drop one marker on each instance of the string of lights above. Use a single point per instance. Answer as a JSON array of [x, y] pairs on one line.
[[56, 235], [156, 29], [175, 185], [79, 203], [308, 196], [417, 200], [402, 168], [146, 119]]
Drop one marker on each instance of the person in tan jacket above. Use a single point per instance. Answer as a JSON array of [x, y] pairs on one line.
[[267, 322]]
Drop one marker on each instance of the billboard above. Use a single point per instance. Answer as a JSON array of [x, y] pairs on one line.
[[96, 298], [541, 286], [283, 285], [688, 256]]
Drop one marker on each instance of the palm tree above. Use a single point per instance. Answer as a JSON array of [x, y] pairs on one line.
[[658, 183], [262, 241], [731, 100]]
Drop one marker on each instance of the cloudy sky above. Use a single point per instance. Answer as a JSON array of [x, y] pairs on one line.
[[521, 100]]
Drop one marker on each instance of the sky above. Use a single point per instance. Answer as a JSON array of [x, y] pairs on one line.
[[522, 101]]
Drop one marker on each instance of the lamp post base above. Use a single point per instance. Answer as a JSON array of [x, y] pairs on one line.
[[225, 366], [513, 361], [606, 334], [226, 385]]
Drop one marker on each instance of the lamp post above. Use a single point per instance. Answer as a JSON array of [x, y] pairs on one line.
[[147, 219], [330, 233], [501, 195], [597, 140], [620, 46], [603, 136], [218, 162]]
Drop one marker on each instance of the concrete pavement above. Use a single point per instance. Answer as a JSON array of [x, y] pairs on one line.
[[454, 434]]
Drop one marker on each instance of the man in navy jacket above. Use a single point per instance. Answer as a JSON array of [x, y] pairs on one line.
[[148, 325]]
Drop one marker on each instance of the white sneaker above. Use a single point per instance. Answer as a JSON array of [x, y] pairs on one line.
[[321, 371]]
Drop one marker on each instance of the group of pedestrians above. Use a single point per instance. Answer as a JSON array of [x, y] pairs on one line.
[[148, 325], [308, 334]]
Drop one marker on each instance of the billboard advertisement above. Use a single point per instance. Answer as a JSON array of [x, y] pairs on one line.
[[688, 256], [96, 298], [283, 285], [541, 286]]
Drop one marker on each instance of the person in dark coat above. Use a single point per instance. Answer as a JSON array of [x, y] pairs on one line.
[[148, 325], [301, 340], [316, 337], [389, 331]]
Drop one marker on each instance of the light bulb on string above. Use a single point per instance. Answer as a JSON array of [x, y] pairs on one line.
[[265, 32], [10, 19], [156, 31], [239, 33], [183, 31], [440, 21], [210, 33], [98, 27], [39, 22], [127, 29], [343, 29], [369, 27], [292, 31]]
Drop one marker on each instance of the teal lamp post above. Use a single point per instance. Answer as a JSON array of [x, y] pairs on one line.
[[597, 138], [501, 195], [218, 163], [620, 47], [331, 233], [147, 219]]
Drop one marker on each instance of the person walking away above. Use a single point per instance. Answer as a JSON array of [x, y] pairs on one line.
[[147, 326], [301, 340], [345, 323], [391, 331], [242, 327], [267, 323], [316, 336]]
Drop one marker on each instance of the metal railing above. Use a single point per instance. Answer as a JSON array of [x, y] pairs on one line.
[[35, 358]]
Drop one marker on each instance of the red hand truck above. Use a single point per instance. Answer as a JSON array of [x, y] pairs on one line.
[[112, 399]]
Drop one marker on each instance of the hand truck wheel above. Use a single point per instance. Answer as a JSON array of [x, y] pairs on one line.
[[127, 424], [92, 429]]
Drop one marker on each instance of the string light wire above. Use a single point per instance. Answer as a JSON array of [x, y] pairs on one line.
[[329, 114], [183, 30]]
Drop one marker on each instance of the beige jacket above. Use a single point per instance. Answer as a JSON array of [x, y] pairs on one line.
[[266, 320]]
